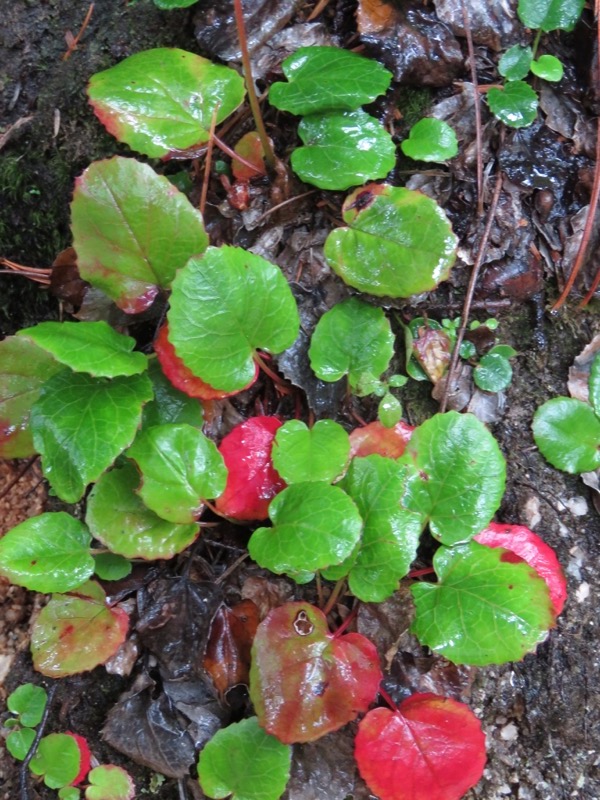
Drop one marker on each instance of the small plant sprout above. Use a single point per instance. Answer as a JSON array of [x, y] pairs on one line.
[[430, 140]]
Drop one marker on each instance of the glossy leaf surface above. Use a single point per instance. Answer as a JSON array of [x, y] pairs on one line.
[[548, 67], [28, 702], [163, 100], [19, 742], [493, 373], [319, 453], [430, 139], [111, 567], [57, 759], [132, 230], [550, 15], [110, 782], [431, 748], [515, 104], [169, 404], [399, 242], [514, 64], [376, 438], [567, 432], [305, 681], [223, 307], [250, 148], [484, 609]]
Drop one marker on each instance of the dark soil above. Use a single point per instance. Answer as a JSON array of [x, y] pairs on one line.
[[542, 715]]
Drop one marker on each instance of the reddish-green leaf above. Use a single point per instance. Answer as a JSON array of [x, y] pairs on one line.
[[85, 757], [249, 148], [57, 759], [375, 438], [431, 748], [110, 782], [305, 681]]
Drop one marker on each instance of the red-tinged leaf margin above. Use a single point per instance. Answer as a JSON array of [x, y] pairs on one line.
[[430, 748], [523, 544], [375, 438], [85, 757]]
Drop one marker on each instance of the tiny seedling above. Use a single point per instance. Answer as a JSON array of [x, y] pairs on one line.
[[430, 140]]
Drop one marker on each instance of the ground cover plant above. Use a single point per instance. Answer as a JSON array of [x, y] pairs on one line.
[[339, 513]]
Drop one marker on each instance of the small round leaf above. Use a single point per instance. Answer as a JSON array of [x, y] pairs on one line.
[[548, 67], [57, 759], [515, 105], [430, 140], [514, 64], [493, 373], [319, 453], [111, 567], [567, 432], [28, 702], [109, 782], [18, 743]]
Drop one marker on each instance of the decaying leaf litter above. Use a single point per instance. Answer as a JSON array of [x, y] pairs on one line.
[[534, 752]]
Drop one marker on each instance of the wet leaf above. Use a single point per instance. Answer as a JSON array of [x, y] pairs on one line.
[[169, 404], [375, 438], [57, 759], [180, 469], [111, 567], [132, 230], [167, 5], [76, 632], [28, 702], [493, 373], [85, 758], [250, 148], [305, 681], [342, 149], [223, 307], [548, 67], [399, 242], [319, 453], [118, 518], [110, 782], [430, 748], [18, 743], [163, 100], [431, 345], [515, 104], [252, 481], [567, 433], [328, 79], [92, 347], [515, 63], [244, 763], [314, 527], [484, 609], [47, 553], [227, 658], [81, 424], [594, 384], [430, 140], [550, 15]]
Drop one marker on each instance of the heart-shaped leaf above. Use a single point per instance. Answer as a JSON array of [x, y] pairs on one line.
[[484, 608], [117, 517], [319, 453], [399, 242], [567, 432], [548, 67], [57, 759], [430, 139], [18, 743], [375, 438], [28, 702], [76, 632], [163, 100], [430, 748], [343, 149], [132, 230], [47, 553], [305, 681], [110, 782], [244, 763], [81, 424], [515, 63], [169, 404], [180, 468], [514, 104], [223, 307], [493, 373], [328, 79], [461, 475], [314, 527], [550, 15]]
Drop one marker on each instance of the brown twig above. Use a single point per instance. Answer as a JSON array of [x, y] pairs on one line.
[[208, 160], [284, 203], [318, 9], [4, 138], [38, 274], [74, 42], [26, 467], [477, 107]]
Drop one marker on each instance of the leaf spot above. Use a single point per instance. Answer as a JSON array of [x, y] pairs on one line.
[[302, 625]]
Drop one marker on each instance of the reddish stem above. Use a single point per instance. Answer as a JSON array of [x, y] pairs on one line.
[[385, 696], [346, 623], [416, 573]]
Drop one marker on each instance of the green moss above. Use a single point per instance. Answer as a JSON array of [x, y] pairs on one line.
[[413, 104]]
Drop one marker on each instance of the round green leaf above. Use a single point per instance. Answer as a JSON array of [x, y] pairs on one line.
[[567, 433], [460, 475], [81, 424], [550, 15], [319, 453], [111, 567], [504, 350], [162, 100], [69, 793], [314, 526], [117, 517], [389, 410], [109, 782], [548, 67], [180, 468], [47, 553], [57, 759], [342, 149], [169, 404], [92, 347], [223, 307], [18, 743], [514, 64], [430, 140], [493, 373], [515, 105], [399, 242], [132, 230], [167, 5], [594, 384], [328, 79], [485, 609], [354, 339], [244, 763], [28, 702]]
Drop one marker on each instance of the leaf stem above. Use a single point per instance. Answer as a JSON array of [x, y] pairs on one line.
[[416, 573], [385, 696], [208, 160], [346, 623], [333, 597], [536, 42]]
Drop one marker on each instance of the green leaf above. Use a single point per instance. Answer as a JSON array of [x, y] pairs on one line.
[[461, 475], [389, 410], [109, 782], [594, 384], [485, 609], [398, 243], [244, 763], [47, 553], [550, 15], [24, 370], [57, 759], [223, 307], [117, 517], [328, 79], [430, 140], [69, 793], [162, 100], [548, 67], [504, 350], [111, 567], [81, 424], [354, 339], [314, 526], [567, 433], [132, 230], [167, 5], [493, 373], [515, 105], [342, 149], [18, 743], [92, 347], [28, 702], [180, 468], [514, 64], [302, 454], [169, 404]]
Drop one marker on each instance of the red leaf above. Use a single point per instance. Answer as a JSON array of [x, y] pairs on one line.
[[375, 438], [527, 546], [305, 681], [252, 481], [227, 658], [84, 755], [431, 748]]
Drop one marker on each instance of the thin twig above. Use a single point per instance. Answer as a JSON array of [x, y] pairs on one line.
[[23, 773], [477, 107], [232, 154], [26, 467], [12, 129], [73, 44], [232, 567], [318, 9], [208, 160], [284, 203]]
